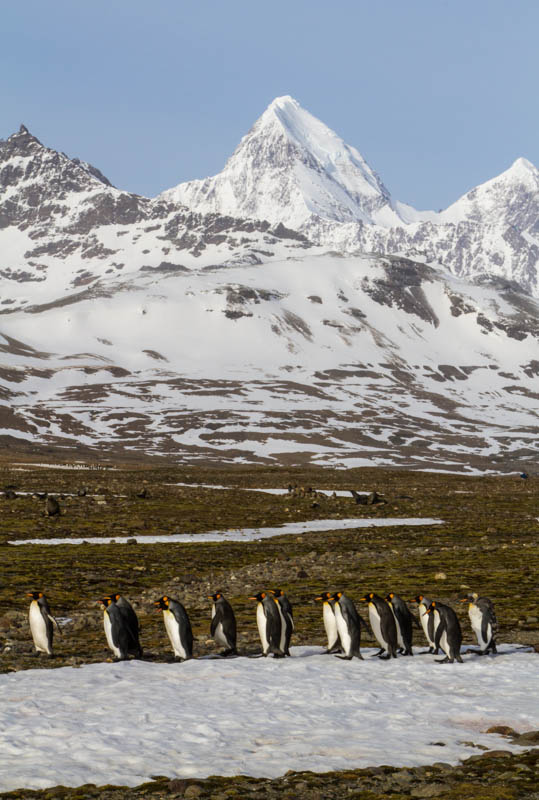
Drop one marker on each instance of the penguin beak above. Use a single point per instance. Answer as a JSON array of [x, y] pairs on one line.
[[252, 598]]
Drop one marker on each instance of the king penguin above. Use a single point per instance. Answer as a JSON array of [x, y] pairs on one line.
[[428, 622], [41, 623], [448, 634], [287, 619], [348, 624], [133, 628], [330, 623], [116, 629], [404, 621], [269, 624], [178, 627], [484, 622], [223, 624], [383, 625]]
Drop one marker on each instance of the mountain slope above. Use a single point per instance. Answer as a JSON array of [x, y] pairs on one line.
[[357, 360]]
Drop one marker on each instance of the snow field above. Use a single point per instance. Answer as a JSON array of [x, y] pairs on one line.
[[121, 723], [245, 534]]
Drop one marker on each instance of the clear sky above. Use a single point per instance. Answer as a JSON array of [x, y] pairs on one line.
[[438, 95]]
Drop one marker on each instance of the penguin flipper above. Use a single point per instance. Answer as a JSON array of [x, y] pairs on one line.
[[55, 623]]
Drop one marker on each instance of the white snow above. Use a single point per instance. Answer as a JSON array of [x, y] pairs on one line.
[[121, 723], [245, 534]]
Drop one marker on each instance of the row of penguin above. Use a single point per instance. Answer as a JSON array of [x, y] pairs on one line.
[[391, 623]]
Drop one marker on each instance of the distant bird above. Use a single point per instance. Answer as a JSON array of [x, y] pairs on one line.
[[483, 621], [524, 475], [116, 629], [223, 624], [132, 624], [348, 626], [404, 621], [52, 507], [178, 627], [330, 623], [361, 499], [428, 622], [287, 619], [42, 623], [269, 625], [448, 634], [383, 625]]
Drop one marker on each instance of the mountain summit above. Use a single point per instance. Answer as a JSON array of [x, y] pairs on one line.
[[289, 168]]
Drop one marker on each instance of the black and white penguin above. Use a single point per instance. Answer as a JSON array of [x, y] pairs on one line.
[[383, 625], [116, 629], [428, 622], [132, 624], [448, 634], [483, 621], [348, 624], [269, 624], [178, 627], [330, 623], [287, 619], [404, 621], [223, 624], [42, 623]]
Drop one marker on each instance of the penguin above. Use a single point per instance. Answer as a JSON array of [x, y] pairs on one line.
[[116, 629], [383, 625], [223, 624], [484, 622], [269, 624], [348, 624], [404, 621], [128, 612], [330, 623], [428, 623], [178, 627], [41, 623], [448, 634], [287, 619]]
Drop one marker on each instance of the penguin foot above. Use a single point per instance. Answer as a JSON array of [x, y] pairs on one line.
[[379, 653], [345, 658], [230, 652], [445, 660], [459, 659], [385, 657]]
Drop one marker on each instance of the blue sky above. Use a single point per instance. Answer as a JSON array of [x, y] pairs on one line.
[[438, 96]]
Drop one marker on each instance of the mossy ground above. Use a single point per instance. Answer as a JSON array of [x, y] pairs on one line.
[[489, 543]]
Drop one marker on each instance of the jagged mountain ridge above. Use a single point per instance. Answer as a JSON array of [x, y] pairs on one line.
[[291, 168]]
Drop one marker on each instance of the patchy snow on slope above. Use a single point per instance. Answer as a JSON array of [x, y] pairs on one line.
[[121, 723]]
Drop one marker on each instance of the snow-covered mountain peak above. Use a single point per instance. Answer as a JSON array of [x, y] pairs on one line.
[[291, 168]]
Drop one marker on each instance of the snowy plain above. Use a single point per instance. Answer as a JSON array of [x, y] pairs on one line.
[[122, 723]]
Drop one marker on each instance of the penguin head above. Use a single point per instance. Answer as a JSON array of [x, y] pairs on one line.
[[106, 601], [115, 596], [367, 598], [216, 597], [432, 607], [469, 598], [260, 597], [325, 597], [35, 595], [276, 592], [390, 596], [337, 596], [419, 598], [162, 604]]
